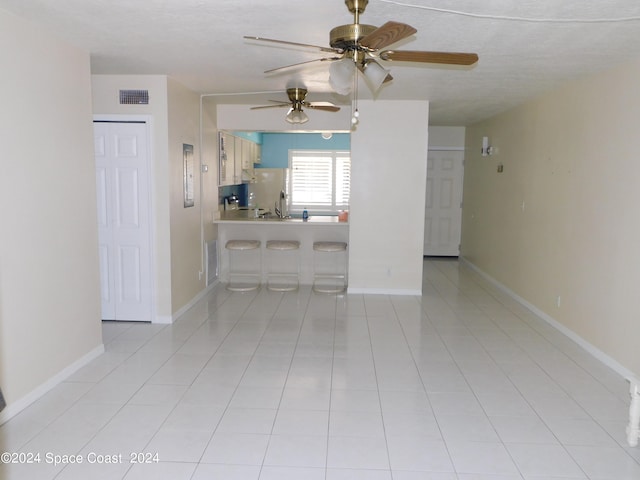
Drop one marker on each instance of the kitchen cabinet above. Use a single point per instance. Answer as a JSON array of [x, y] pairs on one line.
[[226, 170], [248, 154], [257, 157], [239, 164], [236, 158]]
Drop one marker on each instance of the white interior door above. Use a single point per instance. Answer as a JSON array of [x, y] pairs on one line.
[[443, 202], [122, 181]]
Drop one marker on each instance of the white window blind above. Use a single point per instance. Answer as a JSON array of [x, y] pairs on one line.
[[319, 180]]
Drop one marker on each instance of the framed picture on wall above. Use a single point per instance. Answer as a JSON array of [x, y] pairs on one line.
[[187, 155]]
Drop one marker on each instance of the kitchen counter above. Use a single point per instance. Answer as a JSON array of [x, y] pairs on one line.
[[239, 217], [241, 224]]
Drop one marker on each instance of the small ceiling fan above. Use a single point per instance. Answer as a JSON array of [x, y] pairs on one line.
[[296, 102], [360, 46]]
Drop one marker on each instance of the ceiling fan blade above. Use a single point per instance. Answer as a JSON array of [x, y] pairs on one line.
[[293, 65], [271, 106], [318, 104], [447, 58], [294, 44], [325, 106], [387, 34]]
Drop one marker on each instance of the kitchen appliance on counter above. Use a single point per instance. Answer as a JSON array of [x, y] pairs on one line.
[[232, 202]]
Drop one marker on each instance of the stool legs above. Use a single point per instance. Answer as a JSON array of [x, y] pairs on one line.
[[330, 267], [245, 265], [280, 276]]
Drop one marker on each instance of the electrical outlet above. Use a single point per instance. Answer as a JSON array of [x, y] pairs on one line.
[[558, 301]]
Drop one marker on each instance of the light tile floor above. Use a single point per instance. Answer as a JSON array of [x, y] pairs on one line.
[[460, 384]]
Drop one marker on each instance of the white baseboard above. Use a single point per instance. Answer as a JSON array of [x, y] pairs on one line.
[[383, 291], [16, 407], [163, 319], [193, 301], [593, 350]]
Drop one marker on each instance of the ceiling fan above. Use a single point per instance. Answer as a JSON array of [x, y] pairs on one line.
[[296, 102], [359, 46]]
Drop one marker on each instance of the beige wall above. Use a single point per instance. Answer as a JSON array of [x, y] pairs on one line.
[[49, 275], [561, 220], [187, 260]]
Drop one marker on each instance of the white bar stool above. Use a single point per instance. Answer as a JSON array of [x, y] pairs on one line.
[[329, 267], [244, 255], [280, 278]]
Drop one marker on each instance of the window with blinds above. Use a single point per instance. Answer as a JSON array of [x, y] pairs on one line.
[[319, 180]]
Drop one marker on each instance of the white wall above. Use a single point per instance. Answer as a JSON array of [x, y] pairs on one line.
[[49, 274], [561, 221], [105, 90], [446, 137], [388, 178]]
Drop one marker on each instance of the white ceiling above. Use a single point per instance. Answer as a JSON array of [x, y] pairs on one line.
[[200, 43]]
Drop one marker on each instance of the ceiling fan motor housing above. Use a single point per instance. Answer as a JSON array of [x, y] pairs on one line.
[[346, 37], [296, 95]]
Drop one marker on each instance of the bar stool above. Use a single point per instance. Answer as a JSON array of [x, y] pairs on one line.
[[243, 274], [329, 267], [280, 278]]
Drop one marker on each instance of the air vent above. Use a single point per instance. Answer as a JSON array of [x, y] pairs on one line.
[[134, 97]]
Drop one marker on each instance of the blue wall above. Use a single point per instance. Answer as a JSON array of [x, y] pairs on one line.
[[255, 137], [276, 146]]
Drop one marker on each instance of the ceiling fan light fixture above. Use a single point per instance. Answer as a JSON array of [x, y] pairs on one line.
[[296, 115], [375, 74], [341, 74]]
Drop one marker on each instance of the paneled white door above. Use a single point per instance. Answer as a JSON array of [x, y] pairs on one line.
[[122, 180], [443, 202]]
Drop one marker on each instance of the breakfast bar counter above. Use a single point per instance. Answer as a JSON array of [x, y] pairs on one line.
[[242, 225], [246, 217]]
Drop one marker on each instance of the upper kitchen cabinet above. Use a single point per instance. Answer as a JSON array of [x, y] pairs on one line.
[[226, 165], [257, 158], [236, 158], [240, 148], [248, 153]]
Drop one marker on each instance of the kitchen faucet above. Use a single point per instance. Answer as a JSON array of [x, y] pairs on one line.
[[280, 205]]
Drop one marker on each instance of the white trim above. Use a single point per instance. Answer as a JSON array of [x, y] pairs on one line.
[[445, 149], [163, 319], [596, 352], [16, 407], [383, 291], [193, 301], [633, 428]]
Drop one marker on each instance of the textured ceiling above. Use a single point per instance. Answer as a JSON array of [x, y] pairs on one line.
[[525, 47]]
